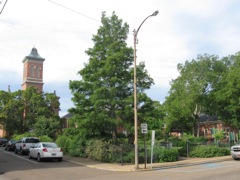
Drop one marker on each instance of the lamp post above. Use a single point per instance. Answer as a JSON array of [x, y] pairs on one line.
[[135, 33]]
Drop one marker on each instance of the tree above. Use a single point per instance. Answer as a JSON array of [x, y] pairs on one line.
[[228, 92], [19, 110], [47, 127], [38, 104], [11, 111], [190, 93], [103, 98]]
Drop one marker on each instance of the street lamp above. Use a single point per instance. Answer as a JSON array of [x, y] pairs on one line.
[[135, 33]]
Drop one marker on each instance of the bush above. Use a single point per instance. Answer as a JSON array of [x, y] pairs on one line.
[[45, 139], [77, 147], [98, 150], [63, 142], [20, 136], [168, 155], [209, 151]]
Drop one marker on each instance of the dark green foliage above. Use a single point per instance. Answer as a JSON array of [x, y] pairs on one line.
[[168, 155], [77, 147], [207, 85], [47, 126], [64, 143], [103, 97], [209, 151], [20, 110]]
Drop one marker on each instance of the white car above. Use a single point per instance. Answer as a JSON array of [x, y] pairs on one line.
[[46, 150], [235, 151]]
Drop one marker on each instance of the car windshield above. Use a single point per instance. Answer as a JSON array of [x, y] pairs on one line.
[[32, 140], [49, 145]]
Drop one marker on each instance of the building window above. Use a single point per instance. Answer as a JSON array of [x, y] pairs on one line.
[[38, 71], [31, 71]]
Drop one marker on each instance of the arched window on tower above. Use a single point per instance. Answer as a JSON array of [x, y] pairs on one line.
[[38, 71], [31, 71]]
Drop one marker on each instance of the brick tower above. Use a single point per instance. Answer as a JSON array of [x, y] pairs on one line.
[[33, 71]]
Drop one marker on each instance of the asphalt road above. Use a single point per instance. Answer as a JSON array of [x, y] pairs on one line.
[[17, 167]]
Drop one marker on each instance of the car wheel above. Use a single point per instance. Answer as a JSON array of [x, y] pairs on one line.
[[29, 156], [21, 151], [16, 151], [59, 159], [39, 159]]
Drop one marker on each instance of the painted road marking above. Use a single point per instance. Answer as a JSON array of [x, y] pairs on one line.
[[198, 168], [19, 156]]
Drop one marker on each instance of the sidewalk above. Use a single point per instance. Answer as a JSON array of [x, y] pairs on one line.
[[131, 167]]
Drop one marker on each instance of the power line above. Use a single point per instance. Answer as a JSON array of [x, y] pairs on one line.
[[3, 6], [74, 11]]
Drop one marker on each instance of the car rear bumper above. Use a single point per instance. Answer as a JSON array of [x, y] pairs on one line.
[[52, 155]]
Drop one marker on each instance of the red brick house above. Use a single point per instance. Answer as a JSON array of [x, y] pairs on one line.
[[209, 124]]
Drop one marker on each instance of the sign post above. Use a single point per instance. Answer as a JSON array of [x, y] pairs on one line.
[[144, 131], [153, 140]]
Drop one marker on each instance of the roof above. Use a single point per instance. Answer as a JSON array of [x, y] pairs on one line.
[[206, 118], [34, 55], [67, 116]]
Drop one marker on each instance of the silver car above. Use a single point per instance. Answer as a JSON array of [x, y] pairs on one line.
[[45, 150], [235, 151]]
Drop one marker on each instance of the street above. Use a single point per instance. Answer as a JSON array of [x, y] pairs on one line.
[[17, 167]]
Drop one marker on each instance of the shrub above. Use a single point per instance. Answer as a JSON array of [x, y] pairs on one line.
[[63, 142], [77, 147], [19, 136], [45, 139], [129, 157], [98, 150], [168, 155], [209, 151]]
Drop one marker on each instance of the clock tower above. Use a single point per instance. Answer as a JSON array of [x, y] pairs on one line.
[[33, 71]]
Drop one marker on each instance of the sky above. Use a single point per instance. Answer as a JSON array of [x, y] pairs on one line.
[[62, 31]]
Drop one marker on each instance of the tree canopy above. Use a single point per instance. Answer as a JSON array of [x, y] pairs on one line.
[[103, 98], [20, 110], [206, 85]]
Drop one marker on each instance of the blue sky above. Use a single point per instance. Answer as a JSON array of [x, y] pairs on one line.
[[182, 30]]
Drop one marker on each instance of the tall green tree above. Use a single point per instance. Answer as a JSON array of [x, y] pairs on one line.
[[103, 98], [47, 127], [228, 92], [19, 110], [190, 93], [11, 111]]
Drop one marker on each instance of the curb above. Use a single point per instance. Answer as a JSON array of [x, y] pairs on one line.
[[149, 167]]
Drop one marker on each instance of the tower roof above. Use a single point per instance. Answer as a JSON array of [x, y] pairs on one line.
[[34, 55]]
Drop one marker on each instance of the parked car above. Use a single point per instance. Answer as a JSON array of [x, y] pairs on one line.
[[3, 142], [46, 150], [23, 145], [10, 146], [235, 151]]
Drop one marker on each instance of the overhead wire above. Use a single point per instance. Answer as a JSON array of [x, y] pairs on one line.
[[3, 6], [74, 11], [46, 29]]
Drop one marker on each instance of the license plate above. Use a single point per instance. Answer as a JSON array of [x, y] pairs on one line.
[[53, 154]]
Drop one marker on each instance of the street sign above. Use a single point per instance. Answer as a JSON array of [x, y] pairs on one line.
[[144, 128]]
